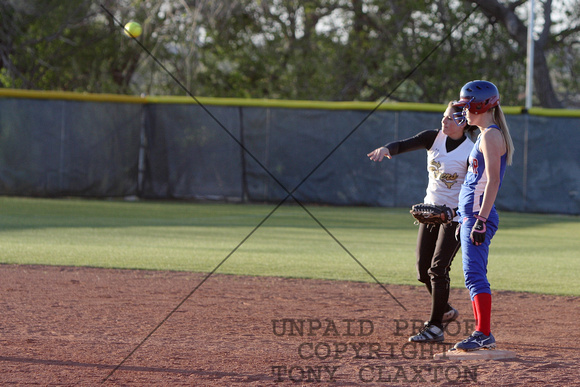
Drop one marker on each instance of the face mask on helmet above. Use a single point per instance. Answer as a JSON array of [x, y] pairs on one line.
[[460, 117]]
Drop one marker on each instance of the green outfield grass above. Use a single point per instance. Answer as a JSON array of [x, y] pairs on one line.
[[531, 252]]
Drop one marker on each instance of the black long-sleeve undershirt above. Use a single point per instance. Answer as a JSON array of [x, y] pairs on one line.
[[422, 140]]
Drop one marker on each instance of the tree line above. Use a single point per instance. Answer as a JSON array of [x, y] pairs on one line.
[[331, 50]]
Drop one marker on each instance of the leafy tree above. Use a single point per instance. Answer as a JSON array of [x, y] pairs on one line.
[[339, 50], [40, 46], [56, 45], [554, 37]]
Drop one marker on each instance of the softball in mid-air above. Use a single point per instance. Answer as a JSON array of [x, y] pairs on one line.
[[133, 29]]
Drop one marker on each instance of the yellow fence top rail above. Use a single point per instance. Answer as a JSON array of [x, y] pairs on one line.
[[270, 103], [69, 96]]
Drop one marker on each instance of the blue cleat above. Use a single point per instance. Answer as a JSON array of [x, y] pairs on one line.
[[476, 341]]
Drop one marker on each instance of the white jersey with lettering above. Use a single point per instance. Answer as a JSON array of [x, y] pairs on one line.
[[446, 171]]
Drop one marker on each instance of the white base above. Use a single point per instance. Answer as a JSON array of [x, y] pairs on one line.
[[493, 354]]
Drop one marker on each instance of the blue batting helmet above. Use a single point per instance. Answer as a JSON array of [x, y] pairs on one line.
[[478, 96]]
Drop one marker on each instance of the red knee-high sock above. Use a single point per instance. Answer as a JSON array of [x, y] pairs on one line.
[[474, 310], [483, 305]]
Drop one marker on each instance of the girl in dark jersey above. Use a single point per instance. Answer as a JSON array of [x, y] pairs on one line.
[[479, 220], [447, 153]]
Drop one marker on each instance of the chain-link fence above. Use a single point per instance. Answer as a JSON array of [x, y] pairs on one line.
[[255, 152]]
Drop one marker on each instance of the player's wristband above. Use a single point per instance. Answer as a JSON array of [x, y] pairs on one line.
[[479, 217]]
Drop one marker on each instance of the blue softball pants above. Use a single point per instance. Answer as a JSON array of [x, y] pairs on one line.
[[474, 257]]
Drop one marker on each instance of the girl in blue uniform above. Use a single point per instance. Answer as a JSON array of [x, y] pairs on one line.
[[479, 220]]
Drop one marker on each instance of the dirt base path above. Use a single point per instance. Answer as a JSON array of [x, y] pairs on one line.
[[75, 326]]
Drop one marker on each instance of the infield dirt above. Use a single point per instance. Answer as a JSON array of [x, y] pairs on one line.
[[75, 326]]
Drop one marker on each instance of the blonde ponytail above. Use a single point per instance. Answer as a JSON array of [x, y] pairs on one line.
[[500, 120]]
